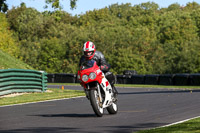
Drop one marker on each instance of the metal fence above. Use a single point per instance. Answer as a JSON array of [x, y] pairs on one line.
[[21, 80]]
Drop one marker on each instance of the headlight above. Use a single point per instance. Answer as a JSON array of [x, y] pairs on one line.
[[85, 78], [92, 76]]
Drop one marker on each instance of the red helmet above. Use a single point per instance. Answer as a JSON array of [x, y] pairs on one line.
[[89, 49]]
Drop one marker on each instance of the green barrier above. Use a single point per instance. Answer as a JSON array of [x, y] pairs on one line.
[[21, 80]]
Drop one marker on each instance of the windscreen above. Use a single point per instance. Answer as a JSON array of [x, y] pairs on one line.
[[87, 64]]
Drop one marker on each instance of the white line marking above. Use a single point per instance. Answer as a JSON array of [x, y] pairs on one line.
[[179, 122], [41, 101]]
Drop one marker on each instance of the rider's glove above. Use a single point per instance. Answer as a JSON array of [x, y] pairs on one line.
[[103, 67]]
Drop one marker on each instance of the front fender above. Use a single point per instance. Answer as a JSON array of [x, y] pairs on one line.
[[92, 85]]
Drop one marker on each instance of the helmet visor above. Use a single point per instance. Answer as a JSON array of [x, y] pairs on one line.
[[88, 53]]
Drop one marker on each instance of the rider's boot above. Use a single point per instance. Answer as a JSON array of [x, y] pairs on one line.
[[115, 92]]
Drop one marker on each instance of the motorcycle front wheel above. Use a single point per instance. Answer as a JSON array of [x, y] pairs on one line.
[[95, 102], [112, 109]]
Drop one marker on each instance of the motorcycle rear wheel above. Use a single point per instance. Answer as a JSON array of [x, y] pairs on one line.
[[95, 102]]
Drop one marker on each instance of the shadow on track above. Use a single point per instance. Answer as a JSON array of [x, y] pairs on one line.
[[68, 115], [41, 129]]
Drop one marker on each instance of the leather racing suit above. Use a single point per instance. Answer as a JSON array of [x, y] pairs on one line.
[[100, 59]]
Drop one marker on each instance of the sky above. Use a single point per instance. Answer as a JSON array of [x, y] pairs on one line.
[[88, 5]]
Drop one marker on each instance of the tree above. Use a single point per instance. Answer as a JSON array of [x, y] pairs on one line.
[[142, 37], [7, 42], [3, 6], [51, 56], [192, 6], [149, 6], [54, 4], [126, 59], [174, 6]]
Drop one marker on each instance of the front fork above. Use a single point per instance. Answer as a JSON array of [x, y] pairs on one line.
[[99, 92], [86, 90]]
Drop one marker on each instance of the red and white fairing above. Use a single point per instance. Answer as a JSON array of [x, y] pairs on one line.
[[108, 92], [100, 78]]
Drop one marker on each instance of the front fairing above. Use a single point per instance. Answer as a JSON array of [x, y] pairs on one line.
[[87, 68], [105, 86]]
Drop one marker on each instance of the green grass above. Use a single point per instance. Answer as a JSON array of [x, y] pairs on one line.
[[35, 97], [70, 84], [137, 86], [7, 61], [158, 86], [191, 126]]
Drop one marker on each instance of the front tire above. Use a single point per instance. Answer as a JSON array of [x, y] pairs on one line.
[[95, 102], [112, 109]]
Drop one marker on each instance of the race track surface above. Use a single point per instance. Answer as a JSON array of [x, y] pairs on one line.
[[139, 108]]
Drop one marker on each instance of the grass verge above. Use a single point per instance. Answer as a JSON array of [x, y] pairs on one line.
[[8, 61], [158, 86], [191, 126], [136, 86], [35, 97]]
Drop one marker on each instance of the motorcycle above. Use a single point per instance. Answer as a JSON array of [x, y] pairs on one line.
[[97, 88]]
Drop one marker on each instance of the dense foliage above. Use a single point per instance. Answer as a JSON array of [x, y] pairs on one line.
[[53, 3], [145, 38], [7, 42]]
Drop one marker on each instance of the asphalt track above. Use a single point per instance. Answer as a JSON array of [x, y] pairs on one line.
[[139, 108]]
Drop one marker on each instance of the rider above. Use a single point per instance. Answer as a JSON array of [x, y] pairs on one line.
[[90, 53]]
